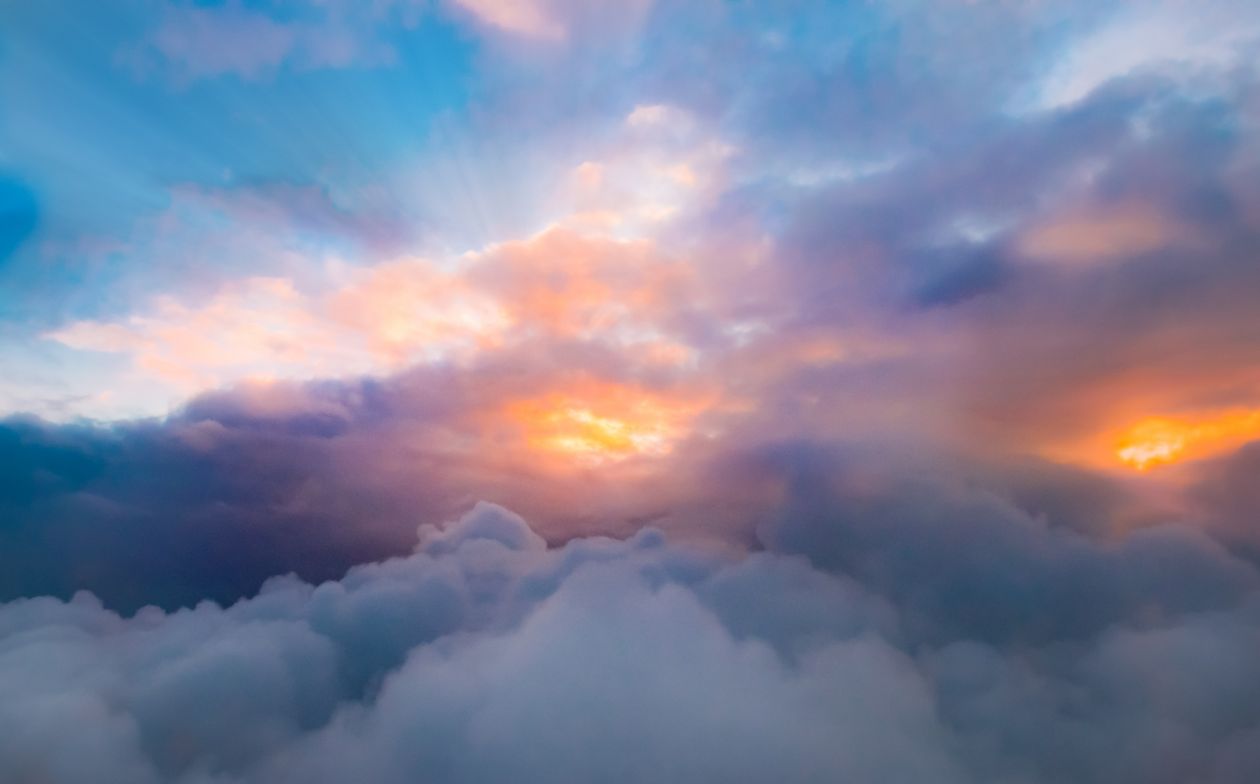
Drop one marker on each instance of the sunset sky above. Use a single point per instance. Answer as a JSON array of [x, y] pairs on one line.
[[695, 390]]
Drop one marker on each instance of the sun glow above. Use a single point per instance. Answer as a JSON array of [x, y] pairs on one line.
[[1156, 441], [604, 422]]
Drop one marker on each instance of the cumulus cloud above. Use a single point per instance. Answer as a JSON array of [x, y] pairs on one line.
[[487, 654]]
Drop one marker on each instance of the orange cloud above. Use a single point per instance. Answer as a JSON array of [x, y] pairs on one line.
[[569, 285]]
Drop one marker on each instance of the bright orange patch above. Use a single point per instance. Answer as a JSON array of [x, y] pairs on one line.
[[1162, 440], [602, 422]]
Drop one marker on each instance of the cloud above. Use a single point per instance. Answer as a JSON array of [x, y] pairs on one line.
[[1161, 37], [486, 521], [1097, 234], [786, 408], [278, 476], [646, 659], [555, 20], [557, 286], [686, 285], [531, 18], [192, 42], [1133, 312], [316, 477], [197, 41], [266, 328], [973, 562], [1224, 497], [617, 381]]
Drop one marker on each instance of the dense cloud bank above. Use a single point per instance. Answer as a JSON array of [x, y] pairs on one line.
[[488, 656], [212, 502]]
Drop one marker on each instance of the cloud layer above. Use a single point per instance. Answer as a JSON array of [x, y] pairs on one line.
[[488, 655]]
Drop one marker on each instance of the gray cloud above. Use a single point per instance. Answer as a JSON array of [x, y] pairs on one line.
[[487, 656]]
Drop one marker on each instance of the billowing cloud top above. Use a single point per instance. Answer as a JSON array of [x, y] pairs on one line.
[[820, 391]]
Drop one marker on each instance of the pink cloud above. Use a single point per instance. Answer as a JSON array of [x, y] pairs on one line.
[[532, 18], [555, 20]]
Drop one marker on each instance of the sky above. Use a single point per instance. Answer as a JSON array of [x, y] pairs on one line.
[[629, 390]]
